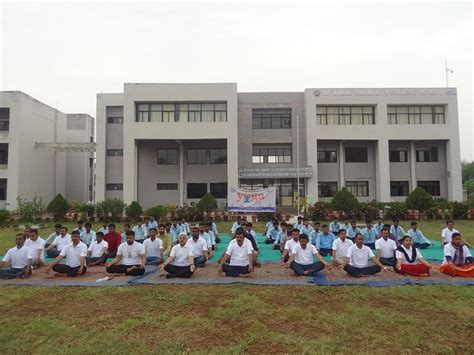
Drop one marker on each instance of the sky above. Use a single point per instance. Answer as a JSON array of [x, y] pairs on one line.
[[65, 53]]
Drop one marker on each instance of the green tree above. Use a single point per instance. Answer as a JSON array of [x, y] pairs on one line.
[[134, 210], [419, 200], [344, 201], [110, 209], [58, 206], [208, 203], [467, 171], [469, 186], [30, 210]]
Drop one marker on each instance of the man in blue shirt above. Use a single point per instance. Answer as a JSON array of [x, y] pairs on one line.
[[306, 228], [298, 223], [214, 229], [353, 231], [334, 226], [396, 230], [174, 232], [345, 225], [370, 234], [235, 225], [324, 241], [379, 226], [153, 223], [139, 232], [184, 227], [88, 235], [282, 236], [80, 227], [418, 239], [272, 233]]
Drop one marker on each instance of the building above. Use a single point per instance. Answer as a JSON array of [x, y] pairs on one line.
[[34, 153], [172, 143]]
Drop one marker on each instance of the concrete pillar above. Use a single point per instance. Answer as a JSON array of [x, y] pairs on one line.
[[341, 160], [181, 174], [382, 171], [454, 174], [412, 166], [129, 170], [312, 154], [232, 162]]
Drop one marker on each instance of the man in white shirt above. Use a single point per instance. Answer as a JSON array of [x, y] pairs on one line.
[[19, 258], [153, 249], [104, 229], [301, 258], [75, 254], [340, 247], [36, 245], [58, 243], [457, 260], [131, 256], [385, 249], [199, 247], [180, 263], [240, 252], [356, 262], [96, 253], [88, 235], [290, 244], [447, 233]]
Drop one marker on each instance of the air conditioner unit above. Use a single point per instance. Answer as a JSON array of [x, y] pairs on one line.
[[192, 203]]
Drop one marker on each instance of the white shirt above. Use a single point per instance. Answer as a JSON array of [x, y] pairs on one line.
[[73, 254], [181, 254], [447, 234], [341, 247], [290, 244], [386, 247], [359, 257], [450, 251], [400, 255], [239, 255], [60, 242], [34, 246], [97, 249], [198, 247], [153, 247], [131, 253], [18, 258], [304, 256]]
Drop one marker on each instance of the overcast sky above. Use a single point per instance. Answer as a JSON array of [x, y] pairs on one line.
[[63, 54]]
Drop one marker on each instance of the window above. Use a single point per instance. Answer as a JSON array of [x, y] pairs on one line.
[[115, 152], [196, 156], [427, 155], [345, 115], [358, 188], [398, 155], [356, 154], [166, 187], [415, 114], [114, 114], [327, 189], [181, 112], [327, 155], [3, 153], [398, 188], [196, 190], [3, 189], [167, 156], [218, 190], [271, 154], [218, 156], [271, 118], [4, 118], [432, 187], [114, 187]]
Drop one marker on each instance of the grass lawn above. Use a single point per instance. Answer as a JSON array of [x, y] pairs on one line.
[[238, 318]]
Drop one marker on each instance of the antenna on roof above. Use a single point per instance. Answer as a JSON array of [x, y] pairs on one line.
[[448, 71]]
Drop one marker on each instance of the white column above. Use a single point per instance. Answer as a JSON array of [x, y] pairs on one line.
[[232, 162], [342, 158], [312, 154], [181, 173], [412, 166], [129, 170], [453, 166], [382, 171]]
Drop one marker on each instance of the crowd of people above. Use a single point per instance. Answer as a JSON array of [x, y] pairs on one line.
[[179, 249]]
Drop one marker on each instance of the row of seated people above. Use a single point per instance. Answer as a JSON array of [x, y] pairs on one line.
[[240, 256]]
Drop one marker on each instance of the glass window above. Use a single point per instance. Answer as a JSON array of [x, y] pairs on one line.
[[327, 155], [271, 154], [181, 112], [218, 190], [427, 154], [3, 189], [167, 156], [218, 156], [415, 114], [115, 152], [166, 186], [196, 190], [327, 189], [398, 155], [432, 187], [356, 154], [271, 118], [345, 115], [196, 156], [358, 188], [3, 153], [114, 187], [398, 188], [114, 114]]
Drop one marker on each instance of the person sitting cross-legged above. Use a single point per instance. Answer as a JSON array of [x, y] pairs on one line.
[[153, 248], [97, 251], [301, 258], [418, 239], [75, 254], [458, 260], [290, 244], [356, 262], [180, 263], [240, 252], [324, 241], [385, 248], [36, 244], [409, 259], [340, 247], [199, 247], [130, 259], [19, 258], [59, 242]]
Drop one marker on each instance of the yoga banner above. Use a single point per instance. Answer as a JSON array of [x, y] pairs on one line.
[[262, 200]]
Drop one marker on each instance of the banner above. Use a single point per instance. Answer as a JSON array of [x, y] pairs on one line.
[[262, 200]]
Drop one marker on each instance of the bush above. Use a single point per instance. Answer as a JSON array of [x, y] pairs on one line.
[[419, 200], [344, 201], [30, 210], [433, 213], [75, 206], [470, 200], [395, 210], [369, 210], [319, 211], [442, 204], [58, 206], [88, 208], [158, 211], [4, 217], [134, 211], [190, 214], [208, 203], [110, 209], [460, 210]]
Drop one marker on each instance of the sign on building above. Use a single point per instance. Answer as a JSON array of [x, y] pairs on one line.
[[262, 200]]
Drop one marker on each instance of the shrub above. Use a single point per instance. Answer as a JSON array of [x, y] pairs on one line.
[[208, 203], [58, 206], [433, 213], [134, 211], [4, 217], [88, 208], [470, 200], [344, 201], [442, 203], [419, 200], [190, 214], [75, 206], [395, 210], [460, 210], [110, 209], [30, 210], [319, 211], [369, 210], [158, 211]]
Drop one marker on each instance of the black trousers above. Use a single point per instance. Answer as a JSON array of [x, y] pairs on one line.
[[325, 252], [178, 271], [122, 269], [234, 270], [90, 259], [360, 271], [69, 271], [312, 269], [421, 245], [388, 261]]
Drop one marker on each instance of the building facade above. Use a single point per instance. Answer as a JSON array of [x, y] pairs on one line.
[[172, 143]]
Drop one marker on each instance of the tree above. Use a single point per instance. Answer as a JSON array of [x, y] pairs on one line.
[[419, 200], [469, 186], [110, 209], [467, 171], [207, 203], [344, 201], [29, 210], [134, 211], [58, 206]]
